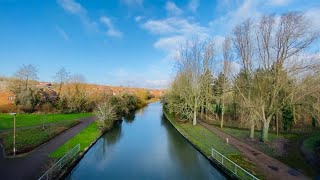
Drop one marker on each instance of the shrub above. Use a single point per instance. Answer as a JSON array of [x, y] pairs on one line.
[[106, 114]]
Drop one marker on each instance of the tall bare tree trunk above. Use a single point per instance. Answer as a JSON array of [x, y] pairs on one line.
[[277, 123], [252, 128], [222, 111], [195, 111]]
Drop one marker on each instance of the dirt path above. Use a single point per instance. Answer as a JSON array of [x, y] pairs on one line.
[[33, 164], [272, 168]]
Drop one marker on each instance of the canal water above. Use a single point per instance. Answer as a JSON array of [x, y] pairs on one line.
[[144, 146]]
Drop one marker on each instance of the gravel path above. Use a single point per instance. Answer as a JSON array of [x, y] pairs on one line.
[[272, 168], [32, 165]]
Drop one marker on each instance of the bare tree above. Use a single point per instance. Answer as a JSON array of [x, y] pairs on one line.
[[278, 46], [227, 57], [194, 61], [243, 42], [61, 77], [27, 73]]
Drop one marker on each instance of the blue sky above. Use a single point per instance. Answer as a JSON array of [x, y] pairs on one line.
[[120, 42]]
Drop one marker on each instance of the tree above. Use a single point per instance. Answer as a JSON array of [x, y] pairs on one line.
[[278, 46], [27, 73], [61, 77], [193, 66], [106, 115], [243, 42], [75, 95], [227, 57]]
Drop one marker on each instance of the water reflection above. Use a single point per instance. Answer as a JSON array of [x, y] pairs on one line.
[[128, 118], [144, 146], [106, 142]]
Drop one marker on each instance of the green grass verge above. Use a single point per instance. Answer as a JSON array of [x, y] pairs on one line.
[[25, 120], [204, 140], [29, 139], [85, 138]]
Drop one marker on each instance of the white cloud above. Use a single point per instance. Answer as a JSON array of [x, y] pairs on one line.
[[112, 31], [75, 8], [193, 5], [176, 26], [226, 23], [312, 14], [72, 7], [122, 76], [62, 33], [159, 26], [138, 18], [172, 8], [174, 32], [170, 45], [278, 2]]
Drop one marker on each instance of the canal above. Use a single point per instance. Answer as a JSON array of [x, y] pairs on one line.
[[144, 146]]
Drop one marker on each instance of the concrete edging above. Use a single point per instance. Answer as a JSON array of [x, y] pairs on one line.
[[211, 160]]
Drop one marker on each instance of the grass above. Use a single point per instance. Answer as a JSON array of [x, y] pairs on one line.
[[25, 120], [204, 140], [29, 139], [85, 138], [312, 143]]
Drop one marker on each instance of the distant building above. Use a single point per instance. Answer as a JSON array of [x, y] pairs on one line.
[[7, 101]]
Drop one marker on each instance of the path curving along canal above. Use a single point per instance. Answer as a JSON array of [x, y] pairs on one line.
[[144, 146]]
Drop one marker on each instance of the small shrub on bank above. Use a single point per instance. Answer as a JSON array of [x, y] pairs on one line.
[[106, 114]]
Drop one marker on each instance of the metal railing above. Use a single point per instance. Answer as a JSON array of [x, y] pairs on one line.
[[231, 166], [56, 168]]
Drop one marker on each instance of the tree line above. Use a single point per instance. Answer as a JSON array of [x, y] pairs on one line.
[[267, 74], [69, 94]]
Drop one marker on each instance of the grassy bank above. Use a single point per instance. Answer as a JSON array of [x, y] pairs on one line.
[[85, 138], [25, 120], [29, 139], [204, 140]]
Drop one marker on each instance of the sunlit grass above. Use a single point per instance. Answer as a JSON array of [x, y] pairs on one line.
[[25, 120], [84, 138], [29, 139]]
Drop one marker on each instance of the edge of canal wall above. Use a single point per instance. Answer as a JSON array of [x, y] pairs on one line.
[[211, 160], [66, 171]]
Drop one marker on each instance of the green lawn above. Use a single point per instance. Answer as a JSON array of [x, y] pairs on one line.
[[85, 138], [29, 139], [204, 140], [25, 120]]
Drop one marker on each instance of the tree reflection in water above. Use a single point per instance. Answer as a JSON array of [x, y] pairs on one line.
[[109, 139], [130, 117], [184, 154]]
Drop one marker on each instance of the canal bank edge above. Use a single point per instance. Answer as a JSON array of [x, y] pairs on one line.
[[211, 160], [65, 171]]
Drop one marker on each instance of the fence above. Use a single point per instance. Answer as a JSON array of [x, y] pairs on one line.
[[231, 166], [56, 168]]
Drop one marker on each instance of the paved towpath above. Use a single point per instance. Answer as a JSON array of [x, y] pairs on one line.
[[272, 168], [32, 165]]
